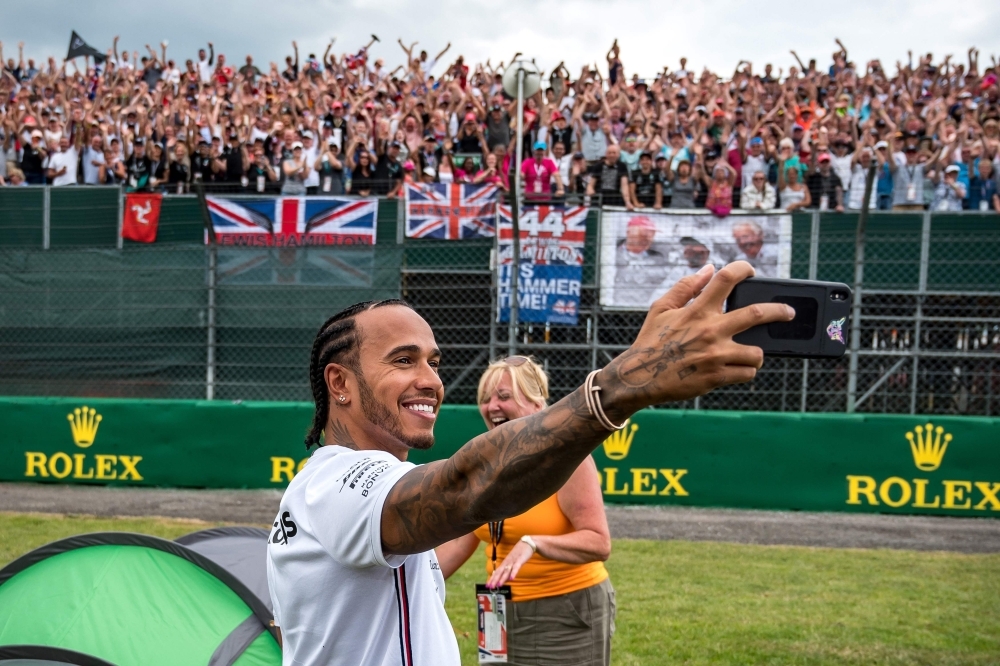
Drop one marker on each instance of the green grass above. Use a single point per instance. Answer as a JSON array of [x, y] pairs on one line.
[[714, 603]]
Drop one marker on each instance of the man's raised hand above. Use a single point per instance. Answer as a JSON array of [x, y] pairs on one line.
[[684, 349]]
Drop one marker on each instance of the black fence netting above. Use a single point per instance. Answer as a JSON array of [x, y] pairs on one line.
[[84, 313]]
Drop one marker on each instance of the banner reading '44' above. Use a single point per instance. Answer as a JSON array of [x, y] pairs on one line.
[[551, 263]]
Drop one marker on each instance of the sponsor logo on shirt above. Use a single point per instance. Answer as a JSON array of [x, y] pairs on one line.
[[284, 529]]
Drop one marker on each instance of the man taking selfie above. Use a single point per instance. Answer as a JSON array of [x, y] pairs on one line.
[[351, 567]]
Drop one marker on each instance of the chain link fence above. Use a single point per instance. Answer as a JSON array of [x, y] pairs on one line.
[[84, 313]]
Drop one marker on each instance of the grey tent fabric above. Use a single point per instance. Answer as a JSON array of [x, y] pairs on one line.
[[44, 655], [242, 551]]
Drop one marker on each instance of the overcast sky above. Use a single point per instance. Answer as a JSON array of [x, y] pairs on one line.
[[717, 33]]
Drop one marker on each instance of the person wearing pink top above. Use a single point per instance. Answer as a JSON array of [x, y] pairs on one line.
[[539, 172]]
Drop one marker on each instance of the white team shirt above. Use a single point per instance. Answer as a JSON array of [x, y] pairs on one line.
[[338, 600]]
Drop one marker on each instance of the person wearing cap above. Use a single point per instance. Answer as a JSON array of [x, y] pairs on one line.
[[593, 139], [498, 130], [539, 173], [559, 132], [754, 160], [645, 186], [202, 163], [337, 124], [139, 167], [639, 268], [388, 169], [295, 170], [329, 168], [33, 157], [825, 188], [908, 179], [883, 182], [949, 191]]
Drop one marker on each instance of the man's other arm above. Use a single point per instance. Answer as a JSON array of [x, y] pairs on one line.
[[681, 352]]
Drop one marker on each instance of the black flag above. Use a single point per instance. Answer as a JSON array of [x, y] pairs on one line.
[[78, 47]]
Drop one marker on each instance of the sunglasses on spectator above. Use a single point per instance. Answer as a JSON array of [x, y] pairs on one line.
[[516, 361]]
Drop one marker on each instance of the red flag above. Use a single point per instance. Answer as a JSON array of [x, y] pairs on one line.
[[142, 216]]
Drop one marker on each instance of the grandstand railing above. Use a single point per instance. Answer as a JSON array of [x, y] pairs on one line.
[[84, 313]]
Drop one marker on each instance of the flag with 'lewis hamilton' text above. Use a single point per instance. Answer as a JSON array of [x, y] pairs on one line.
[[551, 263]]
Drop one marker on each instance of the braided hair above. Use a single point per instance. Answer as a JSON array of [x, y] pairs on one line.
[[336, 342]]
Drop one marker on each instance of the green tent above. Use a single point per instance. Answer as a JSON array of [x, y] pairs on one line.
[[129, 600]]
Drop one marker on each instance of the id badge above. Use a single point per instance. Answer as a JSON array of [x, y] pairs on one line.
[[911, 192], [984, 205], [538, 186], [260, 183], [180, 187], [244, 181], [824, 202], [492, 605], [327, 183]]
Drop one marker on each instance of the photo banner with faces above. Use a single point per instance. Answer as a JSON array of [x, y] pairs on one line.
[[551, 268], [644, 253]]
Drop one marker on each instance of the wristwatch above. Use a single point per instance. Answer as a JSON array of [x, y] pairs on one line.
[[531, 543]]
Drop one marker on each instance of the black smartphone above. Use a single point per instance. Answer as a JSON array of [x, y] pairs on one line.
[[820, 327]]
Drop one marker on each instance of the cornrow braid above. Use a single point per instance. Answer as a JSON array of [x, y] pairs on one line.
[[336, 342]]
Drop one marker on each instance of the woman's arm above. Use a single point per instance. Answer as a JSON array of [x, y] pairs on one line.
[[581, 500], [453, 554]]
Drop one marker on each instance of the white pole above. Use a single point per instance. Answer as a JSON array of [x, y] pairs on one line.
[[515, 211]]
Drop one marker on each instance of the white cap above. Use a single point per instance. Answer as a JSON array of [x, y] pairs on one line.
[[430, 172], [881, 144], [952, 168], [297, 144]]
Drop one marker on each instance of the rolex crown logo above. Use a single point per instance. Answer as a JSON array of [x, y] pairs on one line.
[[928, 446], [616, 446], [84, 422]]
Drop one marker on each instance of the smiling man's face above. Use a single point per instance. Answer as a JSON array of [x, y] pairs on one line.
[[398, 388]]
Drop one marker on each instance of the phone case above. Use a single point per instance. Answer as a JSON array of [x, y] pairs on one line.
[[822, 313]]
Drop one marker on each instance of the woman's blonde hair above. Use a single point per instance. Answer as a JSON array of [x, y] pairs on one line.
[[529, 381]]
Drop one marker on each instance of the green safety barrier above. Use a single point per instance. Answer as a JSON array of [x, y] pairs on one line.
[[817, 462]]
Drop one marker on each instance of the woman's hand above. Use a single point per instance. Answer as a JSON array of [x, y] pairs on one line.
[[508, 568]]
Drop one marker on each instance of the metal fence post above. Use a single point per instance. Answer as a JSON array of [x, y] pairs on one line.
[[859, 277], [813, 271], [210, 325], [925, 255], [120, 242], [46, 217], [595, 327]]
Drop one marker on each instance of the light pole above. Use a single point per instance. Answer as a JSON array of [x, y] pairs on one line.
[[520, 79]]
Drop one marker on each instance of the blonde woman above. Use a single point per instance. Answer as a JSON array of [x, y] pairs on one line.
[[563, 604]]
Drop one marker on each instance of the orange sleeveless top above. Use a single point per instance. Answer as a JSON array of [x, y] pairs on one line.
[[541, 577]]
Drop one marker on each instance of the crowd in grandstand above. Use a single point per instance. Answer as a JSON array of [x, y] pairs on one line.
[[346, 124]]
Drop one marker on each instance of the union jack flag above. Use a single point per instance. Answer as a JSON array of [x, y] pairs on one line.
[[451, 211], [293, 221], [549, 234]]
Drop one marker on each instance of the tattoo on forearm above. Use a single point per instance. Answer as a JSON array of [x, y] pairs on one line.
[[510, 469], [499, 474]]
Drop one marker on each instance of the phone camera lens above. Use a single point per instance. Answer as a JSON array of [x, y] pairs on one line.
[[838, 296]]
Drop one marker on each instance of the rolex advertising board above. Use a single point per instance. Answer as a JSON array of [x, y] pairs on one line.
[[818, 462]]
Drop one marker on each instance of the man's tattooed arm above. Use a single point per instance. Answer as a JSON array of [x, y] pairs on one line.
[[680, 352]]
